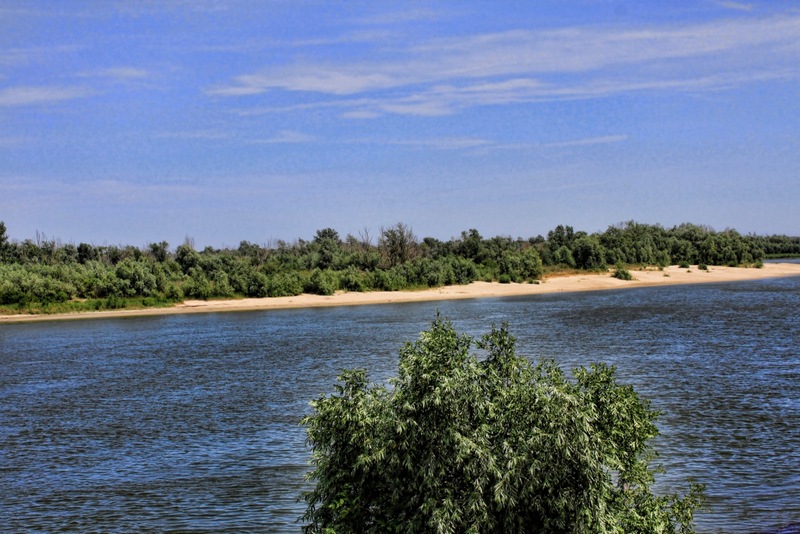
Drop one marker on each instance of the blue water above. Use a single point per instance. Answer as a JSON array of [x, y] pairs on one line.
[[190, 422]]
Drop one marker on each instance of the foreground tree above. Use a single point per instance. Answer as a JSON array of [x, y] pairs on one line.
[[459, 444]]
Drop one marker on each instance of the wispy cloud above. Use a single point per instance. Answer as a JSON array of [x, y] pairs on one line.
[[400, 16], [738, 6], [446, 143], [284, 136], [602, 140], [209, 135], [482, 144], [124, 73], [26, 96], [16, 56], [445, 75], [50, 191], [361, 114]]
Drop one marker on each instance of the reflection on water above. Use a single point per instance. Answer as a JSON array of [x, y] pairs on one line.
[[191, 422]]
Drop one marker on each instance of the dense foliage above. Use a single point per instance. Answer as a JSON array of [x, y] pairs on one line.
[[43, 273], [462, 444]]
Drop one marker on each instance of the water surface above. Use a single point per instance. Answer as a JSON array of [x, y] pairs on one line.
[[191, 422]]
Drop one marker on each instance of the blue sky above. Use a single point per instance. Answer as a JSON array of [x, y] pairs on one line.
[[133, 122]]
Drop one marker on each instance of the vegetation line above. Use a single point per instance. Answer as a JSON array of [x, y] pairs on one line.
[[45, 276]]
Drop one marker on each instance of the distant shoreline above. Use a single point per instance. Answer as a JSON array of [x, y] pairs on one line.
[[555, 284]]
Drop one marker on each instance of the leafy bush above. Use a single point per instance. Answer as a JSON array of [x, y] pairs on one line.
[[285, 285], [197, 285], [563, 256], [174, 293], [323, 282], [432, 273], [135, 278], [351, 279], [499, 445], [622, 273], [684, 265], [464, 270], [220, 285], [114, 303], [520, 266], [21, 285], [393, 279], [257, 285], [589, 253], [702, 267]]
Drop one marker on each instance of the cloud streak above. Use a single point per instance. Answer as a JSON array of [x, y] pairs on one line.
[[482, 145], [284, 136], [30, 95], [442, 76], [124, 73]]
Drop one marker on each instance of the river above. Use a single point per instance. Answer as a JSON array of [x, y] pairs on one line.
[[190, 422]]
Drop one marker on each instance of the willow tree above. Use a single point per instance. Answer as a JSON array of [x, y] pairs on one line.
[[459, 443]]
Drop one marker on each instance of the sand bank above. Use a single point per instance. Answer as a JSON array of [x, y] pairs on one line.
[[555, 284]]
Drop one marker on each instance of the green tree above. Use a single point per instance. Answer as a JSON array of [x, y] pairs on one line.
[[159, 251], [470, 245], [589, 253], [398, 244], [563, 256], [328, 247], [135, 278], [459, 444], [323, 282], [187, 257], [4, 246], [521, 266]]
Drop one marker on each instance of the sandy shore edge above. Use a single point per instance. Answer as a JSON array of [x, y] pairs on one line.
[[573, 283]]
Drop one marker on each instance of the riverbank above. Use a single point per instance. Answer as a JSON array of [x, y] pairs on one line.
[[554, 284]]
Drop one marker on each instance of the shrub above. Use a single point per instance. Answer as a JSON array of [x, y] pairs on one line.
[[390, 280], [464, 270], [432, 273], [684, 265], [351, 279], [702, 267], [114, 303], [323, 282], [589, 253], [197, 285], [285, 284], [520, 266], [221, 286], [622, 273], [174, 292], [136, 278], [496, 445], [563, 256], [662, 259], [257, 285]]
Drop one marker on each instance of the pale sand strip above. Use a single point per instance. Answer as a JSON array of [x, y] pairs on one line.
[[572, 283]]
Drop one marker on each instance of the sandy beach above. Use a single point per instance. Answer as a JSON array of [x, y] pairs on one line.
[[555, 284]]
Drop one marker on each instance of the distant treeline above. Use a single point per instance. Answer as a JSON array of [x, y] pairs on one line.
[[39, 274]]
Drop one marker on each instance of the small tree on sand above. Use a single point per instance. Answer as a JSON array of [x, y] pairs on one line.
[[458, 444]]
